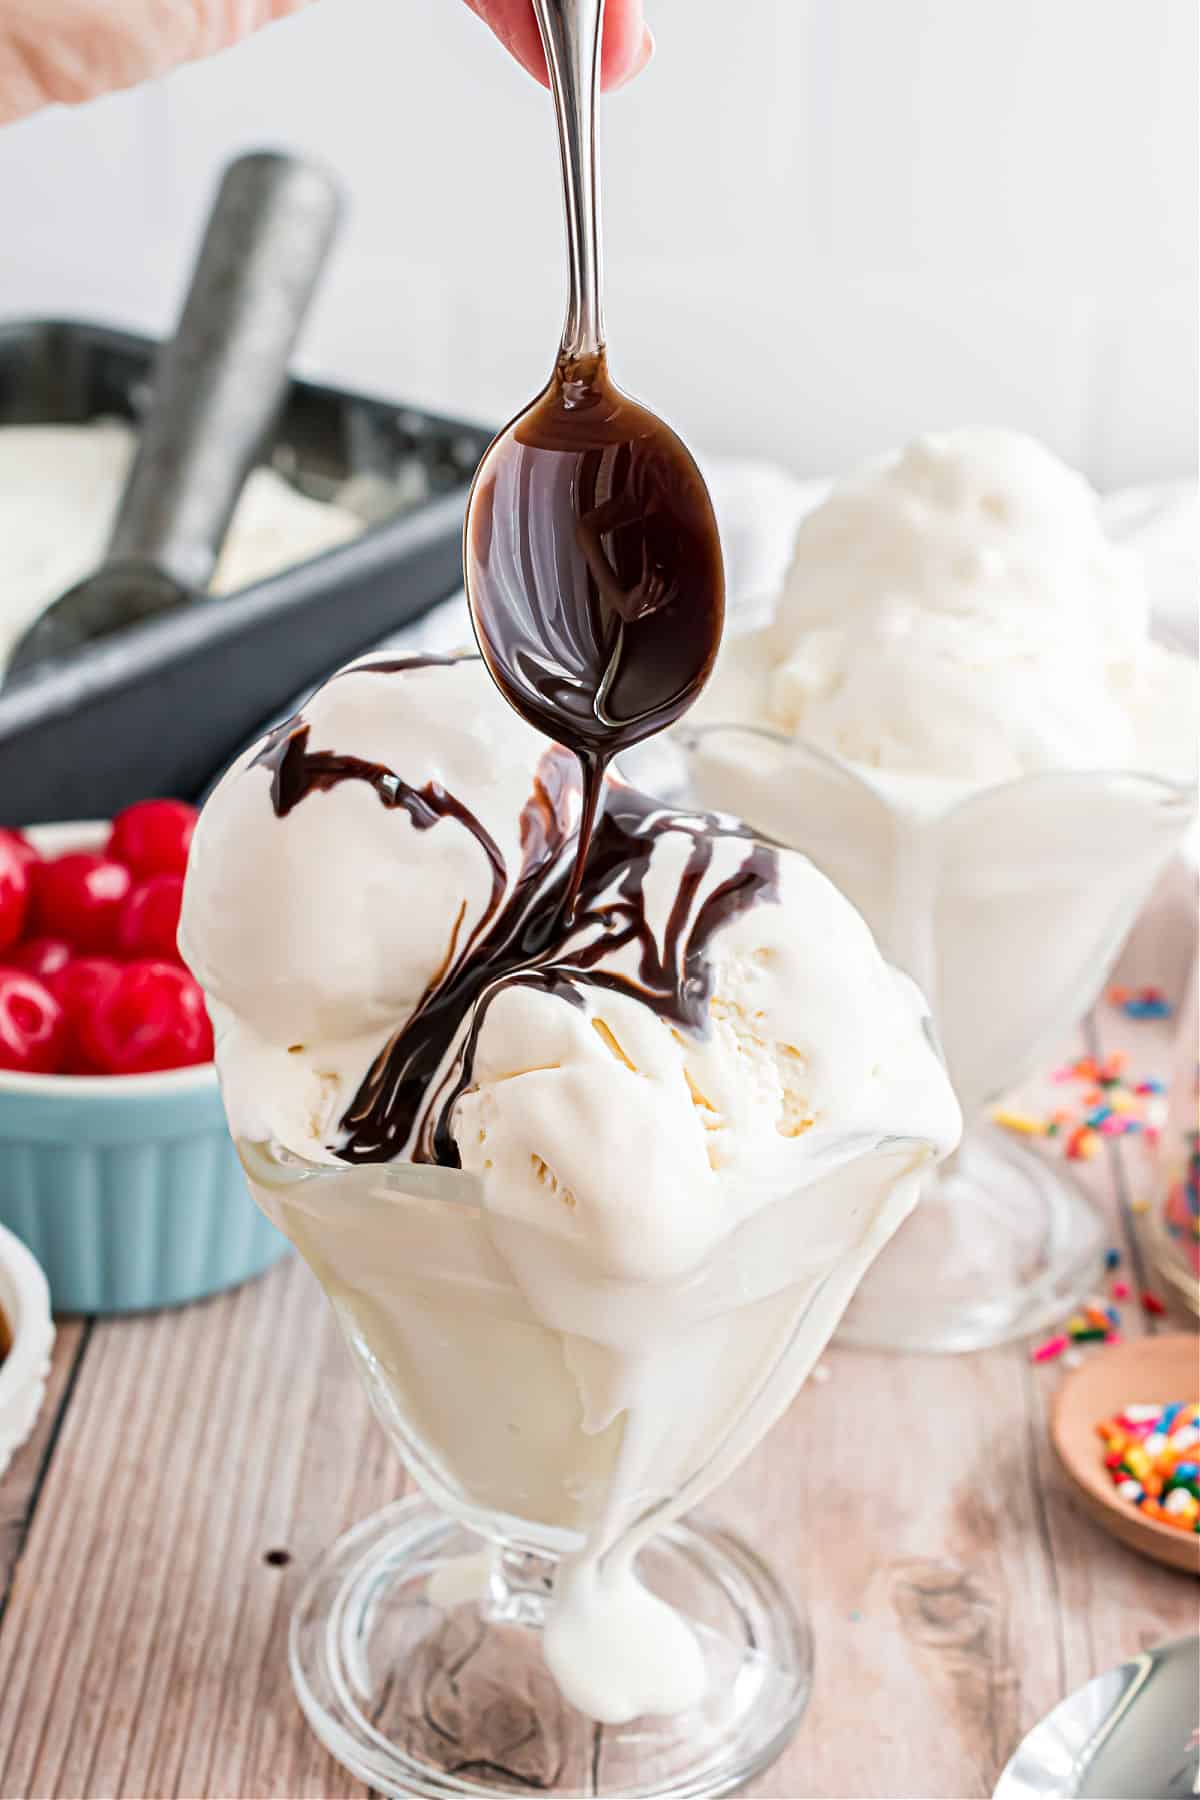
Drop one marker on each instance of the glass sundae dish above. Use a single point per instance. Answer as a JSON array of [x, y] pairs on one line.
[[958, 714], [588, 1202]]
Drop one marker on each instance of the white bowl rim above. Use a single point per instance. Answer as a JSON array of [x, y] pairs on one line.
[[33, 1328], [195, 1078]]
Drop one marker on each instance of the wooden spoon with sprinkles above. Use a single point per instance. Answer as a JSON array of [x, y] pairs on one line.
[[1143, 1372]]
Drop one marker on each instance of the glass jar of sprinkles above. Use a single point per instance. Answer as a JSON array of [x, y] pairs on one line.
[[1175, 1237]]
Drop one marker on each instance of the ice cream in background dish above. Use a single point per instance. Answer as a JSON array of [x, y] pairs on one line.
[[958, 712], [588, 1202], [956, 614]]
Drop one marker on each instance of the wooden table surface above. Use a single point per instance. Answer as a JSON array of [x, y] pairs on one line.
[[189, 1466]]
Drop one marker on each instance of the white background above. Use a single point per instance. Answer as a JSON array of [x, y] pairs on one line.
[[829, 223]]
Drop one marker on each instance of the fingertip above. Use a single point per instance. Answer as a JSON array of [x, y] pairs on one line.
[[627, 43], [627, 47], [514, 24]]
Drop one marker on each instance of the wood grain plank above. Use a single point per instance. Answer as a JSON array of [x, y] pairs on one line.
[[981, 1599], [895, 1499], [49, 1617], [332, 1467], [22, 1480], [150, 1537], [207, 1406]]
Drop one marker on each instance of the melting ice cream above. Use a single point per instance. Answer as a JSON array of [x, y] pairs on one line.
[[589, 1201]]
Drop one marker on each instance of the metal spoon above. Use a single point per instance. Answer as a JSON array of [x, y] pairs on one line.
[[1131, 1734], [217, 389], [591, 556]]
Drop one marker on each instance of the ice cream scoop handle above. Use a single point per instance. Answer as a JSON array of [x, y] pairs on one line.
[[219, 384]]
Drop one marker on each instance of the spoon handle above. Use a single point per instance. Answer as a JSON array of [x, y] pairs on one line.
[[571, 36]]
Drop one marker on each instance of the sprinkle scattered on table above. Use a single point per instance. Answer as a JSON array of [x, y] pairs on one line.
[[1110, 1105], [1152, 1453], [1098, 1321], [1141, 1003]]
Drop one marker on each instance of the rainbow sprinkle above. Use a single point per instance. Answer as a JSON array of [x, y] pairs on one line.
[[1097, 1322], [1141, 1003], [1152, 1453], [1109, 1107]]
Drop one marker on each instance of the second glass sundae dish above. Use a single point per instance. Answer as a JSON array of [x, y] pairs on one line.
[[958, 713], [588, 1200]]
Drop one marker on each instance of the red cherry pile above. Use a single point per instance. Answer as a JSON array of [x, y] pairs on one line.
[[91, 980]]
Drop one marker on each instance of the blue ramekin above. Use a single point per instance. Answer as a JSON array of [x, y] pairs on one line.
[[126, 1188]]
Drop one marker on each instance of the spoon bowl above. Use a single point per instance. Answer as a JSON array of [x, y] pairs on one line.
[[593, 565], [1129, 1731]]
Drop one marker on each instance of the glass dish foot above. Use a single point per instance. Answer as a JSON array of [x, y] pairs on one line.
[[415, 1652]]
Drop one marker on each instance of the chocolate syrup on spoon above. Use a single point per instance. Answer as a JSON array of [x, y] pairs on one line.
[[591, 555], [594, 573]]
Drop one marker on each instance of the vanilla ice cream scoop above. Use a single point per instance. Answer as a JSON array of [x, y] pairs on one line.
[[958, 612], [318, 922], [745, 1022]]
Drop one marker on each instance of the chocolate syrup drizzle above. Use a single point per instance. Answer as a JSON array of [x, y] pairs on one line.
[[521, 938]]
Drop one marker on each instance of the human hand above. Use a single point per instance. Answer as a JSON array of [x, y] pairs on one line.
[[65, 52], [627, 48], [68, 51]]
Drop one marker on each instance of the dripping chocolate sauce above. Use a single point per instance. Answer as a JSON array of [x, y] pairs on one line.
[[297, 771], [594, 574], [523, 937]]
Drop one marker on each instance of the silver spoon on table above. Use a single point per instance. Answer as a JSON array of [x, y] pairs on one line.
[[1130, 1734]]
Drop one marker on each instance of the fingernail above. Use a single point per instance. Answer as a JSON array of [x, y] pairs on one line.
[[645, 52]]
